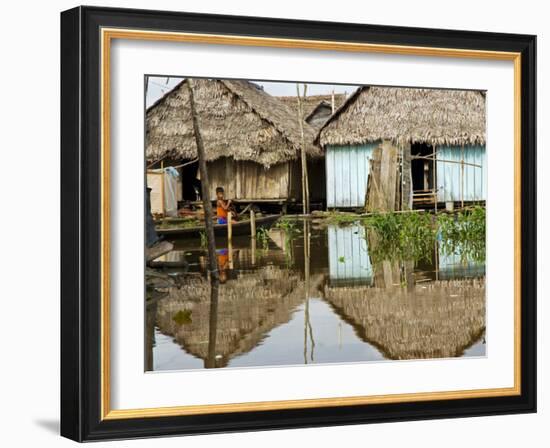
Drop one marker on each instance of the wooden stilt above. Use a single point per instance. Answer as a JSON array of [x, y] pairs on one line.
[[230, 238], [253, 251], [162, 193], [462, 178], [434, 178], [252, 224]]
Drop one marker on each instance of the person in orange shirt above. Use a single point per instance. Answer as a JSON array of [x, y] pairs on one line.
[[222, 206]]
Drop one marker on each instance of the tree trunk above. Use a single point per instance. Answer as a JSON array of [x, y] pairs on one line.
[[205, 189]]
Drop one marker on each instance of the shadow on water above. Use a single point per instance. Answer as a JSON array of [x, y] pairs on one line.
[[305, 293]]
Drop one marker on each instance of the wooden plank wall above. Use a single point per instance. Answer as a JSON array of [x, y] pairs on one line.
[[347, 171], [384, 182], [249, 180]]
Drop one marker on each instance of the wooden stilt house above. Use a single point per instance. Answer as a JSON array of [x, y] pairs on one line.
[[252, 140], [439, 136]]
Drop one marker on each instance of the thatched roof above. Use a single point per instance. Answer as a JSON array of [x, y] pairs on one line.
[[236, 118], [439, 319], [407, 115], [313, 103], [248, 309]]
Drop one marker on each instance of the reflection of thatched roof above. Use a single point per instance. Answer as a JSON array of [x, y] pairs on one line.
[[313, 103], [248, 308], [432, 116], [236, 118], [437, 320]]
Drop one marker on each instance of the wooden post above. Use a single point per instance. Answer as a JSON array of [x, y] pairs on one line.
[[162, 188], [230, 238], [229, 227], [252, 224], [205, 190], [434, 178], [406, 194], [253, 251], [462, 178], [305, 181]]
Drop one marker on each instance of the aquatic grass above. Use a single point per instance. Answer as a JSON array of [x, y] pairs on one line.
[[183, 317], [405, 236], [463, 234], [341, 218], [262, 236], [412, 236], [204, 240]]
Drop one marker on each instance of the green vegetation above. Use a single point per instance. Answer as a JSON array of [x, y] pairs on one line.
[[288, 226], [182, 317], [342, 218], [179, 223], [405, 236], [204, 240], [463, 234], [262, 236], [412, 236]]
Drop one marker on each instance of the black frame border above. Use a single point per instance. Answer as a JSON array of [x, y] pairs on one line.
[[81, 223]]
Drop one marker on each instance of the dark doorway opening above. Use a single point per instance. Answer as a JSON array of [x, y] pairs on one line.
[[422, 169], [191, 186]]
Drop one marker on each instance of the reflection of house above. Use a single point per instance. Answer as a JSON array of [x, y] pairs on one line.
[[252, 140], [348, 255], [454, 265], [435, 320], [419, 122], [247, 310]]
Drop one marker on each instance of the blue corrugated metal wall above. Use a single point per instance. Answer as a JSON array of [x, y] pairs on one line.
[[347, 169], [449, 174], [348, 256], [454, 266]]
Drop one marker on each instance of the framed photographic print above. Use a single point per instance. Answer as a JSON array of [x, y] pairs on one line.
[[273, 223]]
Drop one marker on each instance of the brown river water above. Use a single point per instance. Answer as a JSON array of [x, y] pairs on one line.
[[309, 296]]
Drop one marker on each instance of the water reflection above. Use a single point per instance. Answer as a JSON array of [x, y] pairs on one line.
[[311, 294]]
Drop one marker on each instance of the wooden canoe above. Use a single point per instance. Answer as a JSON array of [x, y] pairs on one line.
[[239, 228]]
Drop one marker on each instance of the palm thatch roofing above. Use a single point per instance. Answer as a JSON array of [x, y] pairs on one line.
[[248, 309], [407, 115], [439, 319], [236, 118], [313, 102]]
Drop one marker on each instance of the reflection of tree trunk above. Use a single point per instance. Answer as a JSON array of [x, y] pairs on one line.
[[307, 322], [150, 319], [210, 361], [205, 188]]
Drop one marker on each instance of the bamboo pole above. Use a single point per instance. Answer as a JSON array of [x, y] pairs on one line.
[[229, 227], [462, 178], [205, 189], [162, 192], [447, 161], [230, 238], [305, 180], [434, 180]]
